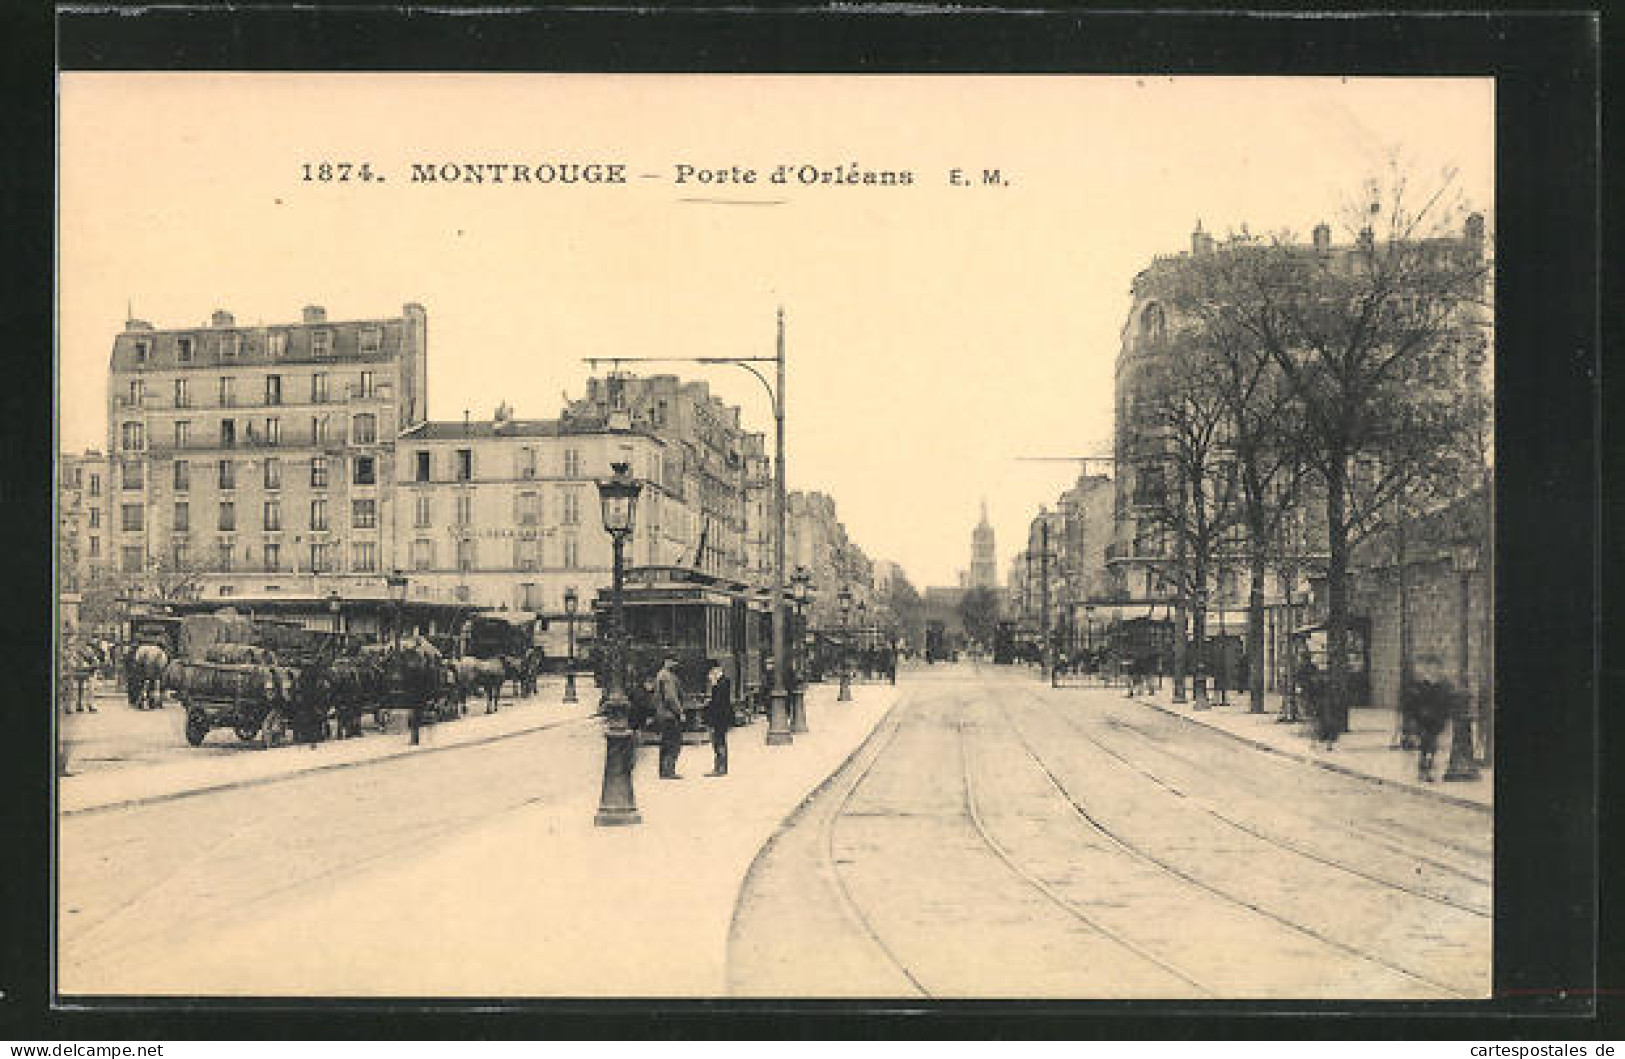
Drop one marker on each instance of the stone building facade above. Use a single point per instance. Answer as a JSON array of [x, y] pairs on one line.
[[82, 525], [262, 457]]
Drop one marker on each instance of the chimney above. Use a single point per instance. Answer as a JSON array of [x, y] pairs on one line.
[[221, 318], [1323, 237], [315, 314], [468, 423], [1473, 231]]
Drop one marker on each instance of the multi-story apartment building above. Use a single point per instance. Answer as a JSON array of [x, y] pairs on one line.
[[81, 519], [718, 469], [261, 457], [504, 512], [816, 538]]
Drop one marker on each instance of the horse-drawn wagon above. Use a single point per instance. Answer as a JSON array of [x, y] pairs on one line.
[[255, 699]]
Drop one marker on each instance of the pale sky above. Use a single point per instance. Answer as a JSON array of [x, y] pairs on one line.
[[935, 332]]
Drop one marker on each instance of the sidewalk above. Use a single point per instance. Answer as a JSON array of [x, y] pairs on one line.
[[195, 770], [540, 902], [1365, 750]]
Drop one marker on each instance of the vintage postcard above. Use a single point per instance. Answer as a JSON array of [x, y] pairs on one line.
[[899, 537]]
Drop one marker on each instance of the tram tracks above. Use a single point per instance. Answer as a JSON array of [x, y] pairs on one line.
[[1138, 850]]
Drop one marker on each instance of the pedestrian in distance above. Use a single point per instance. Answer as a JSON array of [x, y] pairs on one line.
[[1427, 710], [719, 715], [669, 716]]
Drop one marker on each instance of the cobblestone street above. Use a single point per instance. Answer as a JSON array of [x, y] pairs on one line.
[[1001, 838]]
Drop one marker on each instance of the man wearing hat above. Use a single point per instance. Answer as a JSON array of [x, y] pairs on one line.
[[669, 716]]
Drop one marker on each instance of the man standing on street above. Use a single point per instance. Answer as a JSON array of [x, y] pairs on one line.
[[669, 716], [719, 714]]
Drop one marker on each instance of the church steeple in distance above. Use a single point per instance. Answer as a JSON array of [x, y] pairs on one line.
[[984, 571]]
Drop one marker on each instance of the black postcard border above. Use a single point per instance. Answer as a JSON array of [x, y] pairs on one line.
[[1550, 739]]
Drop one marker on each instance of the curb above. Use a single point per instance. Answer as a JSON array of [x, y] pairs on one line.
[[800, 810], [1329, 766], [333, 766]]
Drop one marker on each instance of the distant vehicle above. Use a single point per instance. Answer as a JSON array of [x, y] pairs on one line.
[[938, 648]]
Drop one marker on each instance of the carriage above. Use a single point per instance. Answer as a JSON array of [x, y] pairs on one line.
[[698, 619], [509, 637], [253, 699]]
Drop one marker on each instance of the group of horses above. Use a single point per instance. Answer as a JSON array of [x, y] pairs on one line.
[[327, 690]]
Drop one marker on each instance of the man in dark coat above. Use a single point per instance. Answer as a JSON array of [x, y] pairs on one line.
[[669, 716], [719, 715]]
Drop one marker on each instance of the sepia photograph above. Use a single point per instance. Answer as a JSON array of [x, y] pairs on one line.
[[913, 537]]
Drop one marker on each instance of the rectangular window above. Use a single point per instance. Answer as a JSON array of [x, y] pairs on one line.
[[183, 349], [364, 429], [228, 433], [529, 509], [321, 343], [183, 393], [465, 554], [318, 472], [527, 462], [272, 551], [183, 517], [318, 387], [365, 471], [572, 552], [134, 474], [364, 556], [318, 514], [183, 476], [183, 433], [132, 556], [465, 465], [95, 518], [143, 349], [228, 391], [273, 514], [273, 431], [465, 509], [181, 553], [133, 437], [136, 390], [273, 474], [228, 474], [421, 510], [572, 463], [277, 343], [228, 515], [225, 549], [95, 547], [95, 484], [570, 515], [422, 465], [273, 389], [423, 554], [369, 384], [318, 430], [364, 514], [371, 339], [132, 517], [230, 346], [524, 554]]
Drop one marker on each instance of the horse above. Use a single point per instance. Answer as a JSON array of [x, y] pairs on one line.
[[143, 674], [485, 675]]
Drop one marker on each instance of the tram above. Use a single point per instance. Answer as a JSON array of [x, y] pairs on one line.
[[698, 619]]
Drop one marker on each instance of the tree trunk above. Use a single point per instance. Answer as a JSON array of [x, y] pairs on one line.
[[1255, 632], [1199, 636], [1334, 720]]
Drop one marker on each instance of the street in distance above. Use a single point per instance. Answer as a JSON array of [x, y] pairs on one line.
[[682, 173]]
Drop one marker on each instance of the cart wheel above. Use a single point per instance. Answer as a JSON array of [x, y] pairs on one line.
[[246, 732], [197, 727]]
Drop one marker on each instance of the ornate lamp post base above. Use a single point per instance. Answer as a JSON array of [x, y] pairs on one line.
[[570, 687], [1461, 765], [845, 694], [779, 731], [617, 805]]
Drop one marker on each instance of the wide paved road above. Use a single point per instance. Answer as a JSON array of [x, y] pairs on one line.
[[999, 838], [144, 882]]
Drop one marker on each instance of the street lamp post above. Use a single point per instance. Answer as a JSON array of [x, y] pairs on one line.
[[1462, 763], [801, 586], [334, 605], [844, 600], [397, 595], [617, 804], [571, 602]]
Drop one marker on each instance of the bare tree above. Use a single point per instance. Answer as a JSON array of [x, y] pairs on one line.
[[1377, 343]]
